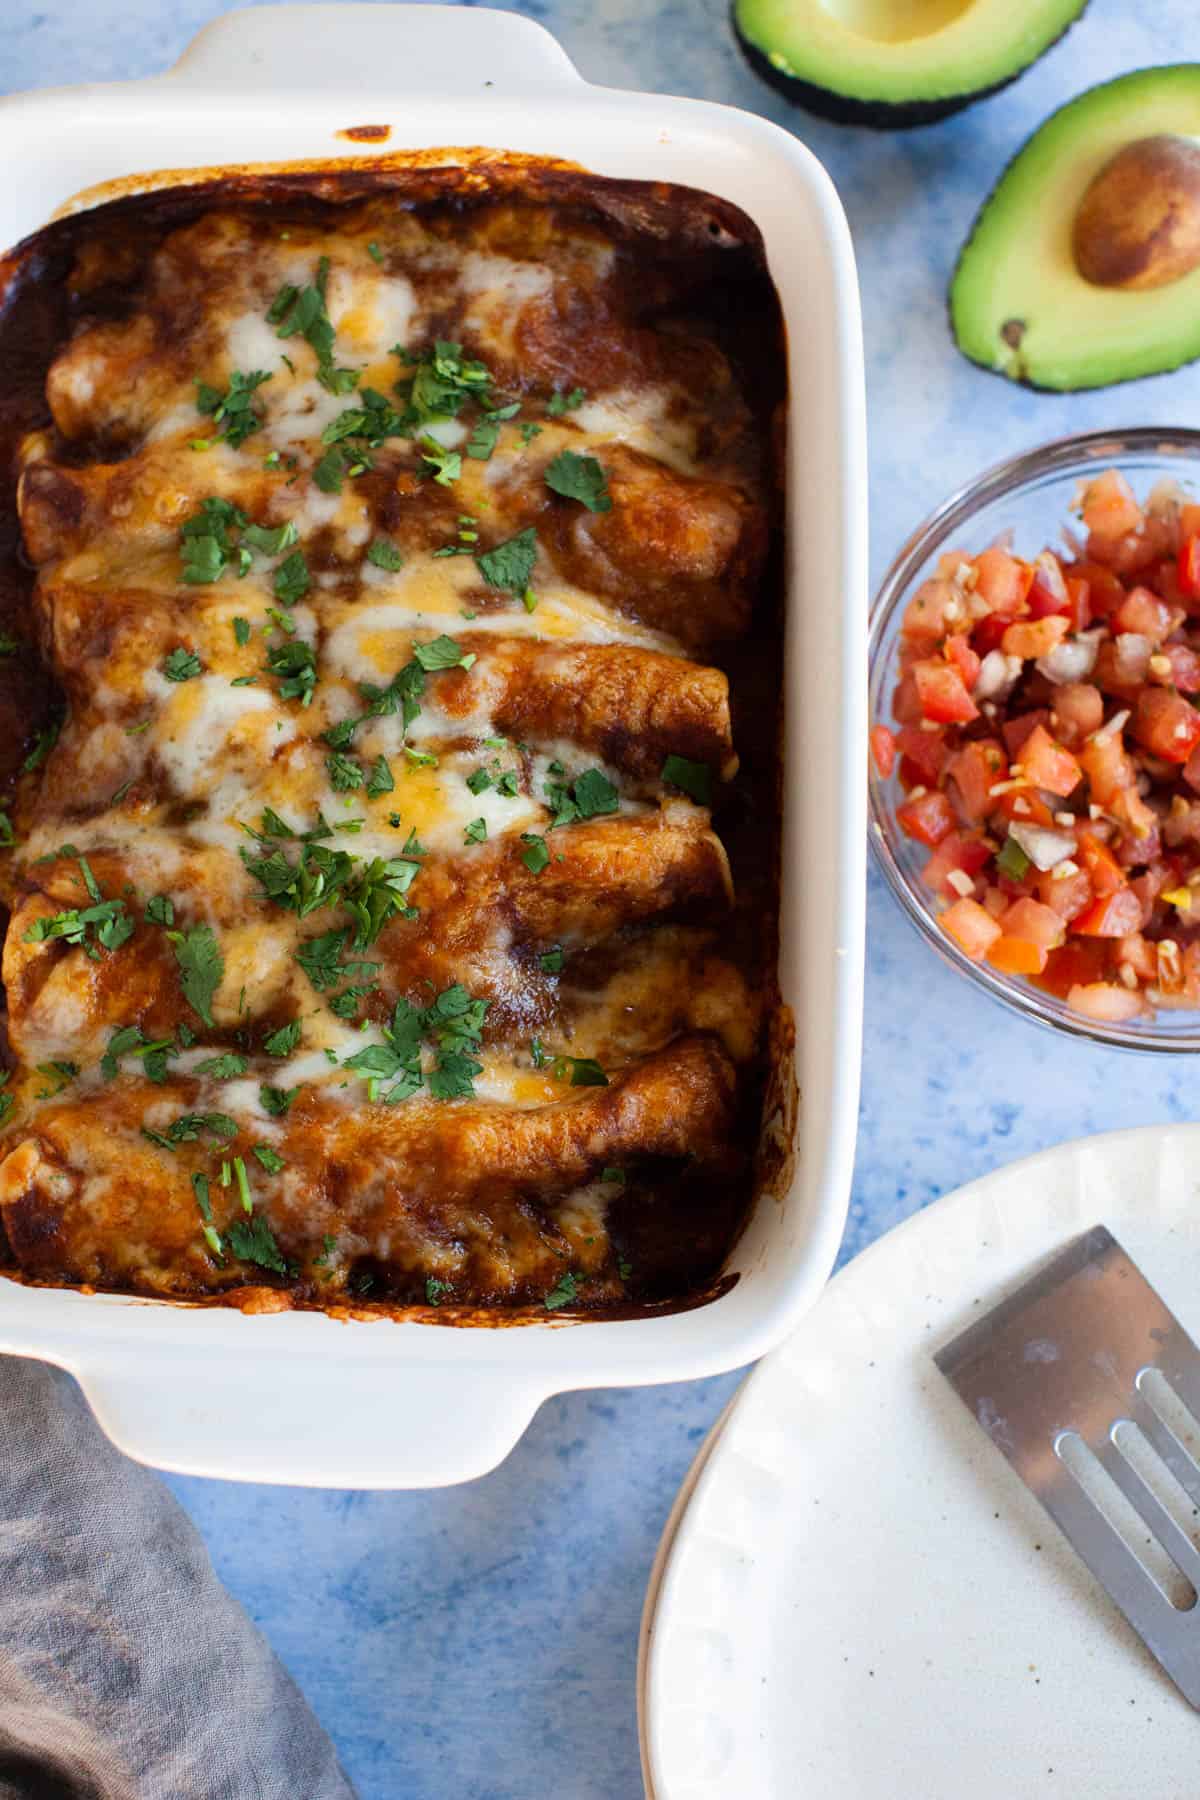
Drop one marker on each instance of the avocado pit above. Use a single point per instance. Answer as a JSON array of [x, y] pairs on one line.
[[1138, 223]]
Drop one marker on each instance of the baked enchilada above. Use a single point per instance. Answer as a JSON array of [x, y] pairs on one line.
[[391, 896]]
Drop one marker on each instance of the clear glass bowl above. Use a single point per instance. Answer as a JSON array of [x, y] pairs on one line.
[[1029, 497]]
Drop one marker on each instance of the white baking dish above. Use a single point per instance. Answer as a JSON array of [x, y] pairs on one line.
[[299, 1397]]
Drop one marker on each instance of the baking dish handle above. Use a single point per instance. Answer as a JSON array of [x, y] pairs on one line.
[[335, 1425], [453, 50]]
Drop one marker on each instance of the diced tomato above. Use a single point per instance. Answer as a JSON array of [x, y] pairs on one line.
[[1109, 508], [1191, 770], [1105, 1001], [995, 901], [1067, 895], [1016, 956], [989, 633], [934, 609], [1021, 806], [1078, 710], [960, 653], [906, 702], [1105, 762], [943, 694], [1113, 916], [883, 749], [1017, 730], [1036, 923], [973, 771], [1048, 765], [1187, 568], [1131, 810], [972, 928], [926, 751], [1036, 638], [1079, 603], [1104, 871], [1106, 591], [1166, 724], [1121, 666], [1048, 592], [1145, 613], [1079, 961], [926, 817], [1184, 671], [1136, 953], [1002, 581], [957, 851]]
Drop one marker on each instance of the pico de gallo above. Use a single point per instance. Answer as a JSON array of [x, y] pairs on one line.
[[1046, 737]]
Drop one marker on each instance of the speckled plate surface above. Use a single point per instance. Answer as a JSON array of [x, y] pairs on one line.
[[861, 1598]]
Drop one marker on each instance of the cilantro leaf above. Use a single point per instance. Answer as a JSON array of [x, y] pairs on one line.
[[268, 540], [476, 832], [241, 632], [535, 855], [560, 403], [223, 1068], [381, 779], [201, 967], [345, 773], [579, 478], [695, 778], [252, 1240], [159, 910], [276, 1100], [563, 1293], [270, 1159], [283, 1042], [329, 471], [232, 408], [442, 653], [509, 566], [551, 961], [384, 555], [446, 464], [292, 579], [295, 663], [182, 665]]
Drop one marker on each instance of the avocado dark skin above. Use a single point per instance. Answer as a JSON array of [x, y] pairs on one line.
[[875, 115]]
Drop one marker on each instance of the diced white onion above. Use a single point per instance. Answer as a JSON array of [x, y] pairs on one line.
[[997, 675], [1133, 655], [1072, 660], [1042, 846]]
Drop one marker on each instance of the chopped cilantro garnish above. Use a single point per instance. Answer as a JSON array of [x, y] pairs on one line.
[[232, 408], [476, 831], [252, 1240], [225, 1067], [589, 796], [270, 1159], [182, 665], [550, 962], [446, 464], [159, 910], [315, 879], [241, 631], [529, 431], [292, 580], [443, 653], [276, 1100], [201, 967], [535, 855], [43, 744], [374, 252], [203, 1200], [381, 780], [295, 663], [615, 1176], [435, 1290], [190, 1127], [694, 778], [345, 773], [487, 432], [108, 921], [268, 540], [563, 1293], [282, 1042], [329, 471], [442, 383], [510, 565], [301, 311], [377, 895], [384, 555], [579, 478], [479, 780], [58, 1076], [560, 403]]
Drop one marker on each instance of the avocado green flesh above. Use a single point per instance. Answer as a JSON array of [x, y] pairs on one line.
[[895, 52], [1017, 302]]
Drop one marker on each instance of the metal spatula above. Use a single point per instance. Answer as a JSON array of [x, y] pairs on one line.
[[1091, 1388]]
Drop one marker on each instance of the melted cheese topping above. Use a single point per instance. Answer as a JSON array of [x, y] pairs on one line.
[[167, 776]]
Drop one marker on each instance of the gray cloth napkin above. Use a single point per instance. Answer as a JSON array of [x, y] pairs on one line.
[[126, 1670]]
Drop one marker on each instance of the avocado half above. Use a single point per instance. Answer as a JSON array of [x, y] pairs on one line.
[[889, 63], [1018, 304]]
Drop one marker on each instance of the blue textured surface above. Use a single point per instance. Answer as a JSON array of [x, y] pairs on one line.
[[480, 1642]]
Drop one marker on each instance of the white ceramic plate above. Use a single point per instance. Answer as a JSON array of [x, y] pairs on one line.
[[862, 1601]]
